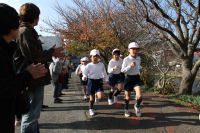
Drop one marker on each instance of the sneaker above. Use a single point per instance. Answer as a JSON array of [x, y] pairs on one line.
[[85, 97], [110, 102], [115, 99], [45, 106], [91, 112], [126, 113], [57, 100], [96, 99], [137, 111], [18, 123]]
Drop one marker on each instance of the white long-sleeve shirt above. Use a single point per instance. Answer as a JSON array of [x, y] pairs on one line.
[[95, 71], [78, 69], [113, 63], [83, 68], [126, 65]]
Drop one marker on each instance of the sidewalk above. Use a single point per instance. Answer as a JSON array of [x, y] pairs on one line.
[[158, 115]]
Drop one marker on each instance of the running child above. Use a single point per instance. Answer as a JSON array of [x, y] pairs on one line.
[[115, 78], [131, 66], [80, 69], [95, 73]]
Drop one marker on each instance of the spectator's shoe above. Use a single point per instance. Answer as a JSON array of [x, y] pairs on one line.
[[91, 112], [126, 113], [110, 102], [96, 99], [115, 99], [57, 100], [18, 123], [44, 106], [137, 111]]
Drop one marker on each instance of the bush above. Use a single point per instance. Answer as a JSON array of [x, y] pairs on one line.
[[169, 88], [190, 99], [147, 76], [146, 88]]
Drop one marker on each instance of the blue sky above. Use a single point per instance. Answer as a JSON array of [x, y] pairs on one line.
[[46, 8]]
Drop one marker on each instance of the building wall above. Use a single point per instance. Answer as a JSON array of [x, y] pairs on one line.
[[50, 41]]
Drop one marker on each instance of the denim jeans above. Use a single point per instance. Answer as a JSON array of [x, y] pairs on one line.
[[30, 119]]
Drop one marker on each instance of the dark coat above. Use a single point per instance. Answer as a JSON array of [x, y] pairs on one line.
[[10, 84], [30, 51]]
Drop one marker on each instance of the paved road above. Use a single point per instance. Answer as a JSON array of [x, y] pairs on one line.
[[159, 115]]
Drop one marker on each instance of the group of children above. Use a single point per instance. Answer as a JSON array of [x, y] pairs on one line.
[[93, 75]]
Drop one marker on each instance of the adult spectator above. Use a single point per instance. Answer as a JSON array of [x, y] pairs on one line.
[[11, 82], [30, 51], [55, 70]]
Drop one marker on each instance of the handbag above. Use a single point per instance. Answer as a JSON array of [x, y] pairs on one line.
[[22, 102]]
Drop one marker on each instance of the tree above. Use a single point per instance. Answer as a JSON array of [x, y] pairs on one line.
[[100, 24], [177, 23]]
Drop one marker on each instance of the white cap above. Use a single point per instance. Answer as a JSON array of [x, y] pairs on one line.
[[84, 59], [94, 52], [116, 49], [133, 45]]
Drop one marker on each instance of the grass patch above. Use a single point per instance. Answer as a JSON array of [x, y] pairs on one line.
[[190, 99], [186, 100]]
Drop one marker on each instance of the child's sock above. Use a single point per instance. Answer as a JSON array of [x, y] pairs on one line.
[[91, 103], [110, 95], [138, 102], [126, 104], [117, 92]]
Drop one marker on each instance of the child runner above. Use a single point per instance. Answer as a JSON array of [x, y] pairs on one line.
[[80, 69], [95, 73], [131, 66], [114, 68]]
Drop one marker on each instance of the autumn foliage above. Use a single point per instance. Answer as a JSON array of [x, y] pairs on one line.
[[100, 24]]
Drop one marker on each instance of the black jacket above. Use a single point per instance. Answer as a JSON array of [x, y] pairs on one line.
[[10, 82]]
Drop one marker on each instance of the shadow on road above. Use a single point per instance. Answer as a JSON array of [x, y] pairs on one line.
[[149, 120]]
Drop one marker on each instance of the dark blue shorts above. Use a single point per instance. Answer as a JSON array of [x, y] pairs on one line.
[[115, 79], [94, 85], [122, 76], [131, 81], [84, 83]]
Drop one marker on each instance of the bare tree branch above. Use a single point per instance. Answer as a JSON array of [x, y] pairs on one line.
[[162, 12], [196, 67], [191, 4], [194, 26]]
